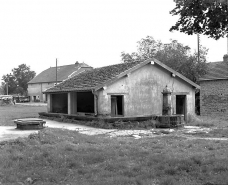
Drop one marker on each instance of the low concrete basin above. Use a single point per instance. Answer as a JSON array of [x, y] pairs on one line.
[[30, 124]]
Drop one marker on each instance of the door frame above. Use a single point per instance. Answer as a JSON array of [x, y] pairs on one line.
[[114, 96]]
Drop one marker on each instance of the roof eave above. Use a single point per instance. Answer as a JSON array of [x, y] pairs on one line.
[[45, 82], [210, 79], [67, 90], [176, 73], [142, 64]]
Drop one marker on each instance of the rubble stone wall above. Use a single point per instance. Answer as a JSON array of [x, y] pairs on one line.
[[214, 98]]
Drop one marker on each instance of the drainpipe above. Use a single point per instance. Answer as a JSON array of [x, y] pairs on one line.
[[96, 102]]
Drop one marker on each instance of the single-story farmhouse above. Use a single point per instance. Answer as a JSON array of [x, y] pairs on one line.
[[125, 89], [48, 78], [214, 89]]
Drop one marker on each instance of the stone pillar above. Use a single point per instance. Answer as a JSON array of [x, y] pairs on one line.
[[49, 102], [166, 108], [72, 102]]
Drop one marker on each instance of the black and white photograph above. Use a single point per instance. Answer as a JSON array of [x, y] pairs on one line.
[[113, 92]]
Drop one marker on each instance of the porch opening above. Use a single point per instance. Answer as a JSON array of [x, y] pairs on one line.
[[85, 102], [59, 103], [181, 105], [117, 105]]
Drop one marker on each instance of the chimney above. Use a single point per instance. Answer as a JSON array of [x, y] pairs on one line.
[[225, 58]]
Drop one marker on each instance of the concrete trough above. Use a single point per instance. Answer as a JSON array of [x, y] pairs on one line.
[[30, 124]]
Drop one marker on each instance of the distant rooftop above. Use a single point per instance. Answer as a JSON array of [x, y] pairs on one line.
[[63, 73], [216, 70]]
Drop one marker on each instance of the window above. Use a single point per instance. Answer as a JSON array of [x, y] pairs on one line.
[[117, 105]]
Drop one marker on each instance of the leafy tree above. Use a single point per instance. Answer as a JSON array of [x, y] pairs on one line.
[[10, 81], [174, 54], [18, 80], [208, 17], [2, 91]]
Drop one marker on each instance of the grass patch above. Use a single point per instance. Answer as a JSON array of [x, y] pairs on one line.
[[205, 121], [9, 113], [57, 156]]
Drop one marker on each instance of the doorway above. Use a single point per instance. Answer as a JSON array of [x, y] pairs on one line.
[[117, 106], [181, 105], [85, 102]]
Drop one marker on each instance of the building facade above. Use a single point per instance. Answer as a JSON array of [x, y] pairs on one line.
[[126, 90], [214, 90], [48, 79]]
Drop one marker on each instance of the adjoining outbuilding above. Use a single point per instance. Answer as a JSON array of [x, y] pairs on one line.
[[214, 89], [50, 77], [123, 90]]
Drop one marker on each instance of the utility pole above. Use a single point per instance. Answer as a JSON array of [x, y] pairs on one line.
[[227, 26], [56, 77], [198, 43]]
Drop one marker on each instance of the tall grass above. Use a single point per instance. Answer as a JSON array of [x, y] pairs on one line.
[[56, 156], [206, 121]]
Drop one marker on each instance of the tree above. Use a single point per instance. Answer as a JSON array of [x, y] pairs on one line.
[[174, 54], [2, 91], [18, 80], [208, 17], [10, 83]]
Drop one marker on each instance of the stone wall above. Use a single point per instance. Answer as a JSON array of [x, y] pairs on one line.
[[214, 98]]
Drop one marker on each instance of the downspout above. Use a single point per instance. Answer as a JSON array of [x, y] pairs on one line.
[[96, 101], [41, 94]]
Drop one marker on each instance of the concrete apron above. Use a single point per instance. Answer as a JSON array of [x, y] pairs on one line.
[[10, 132]]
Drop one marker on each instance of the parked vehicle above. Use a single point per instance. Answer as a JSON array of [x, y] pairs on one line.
[[21, 99]]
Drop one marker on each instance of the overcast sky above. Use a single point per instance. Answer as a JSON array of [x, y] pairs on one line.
[[36, 32]]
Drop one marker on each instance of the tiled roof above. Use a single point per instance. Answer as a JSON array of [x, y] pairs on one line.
[[216, 70], [99, 77], [89, 80], [63, 72]]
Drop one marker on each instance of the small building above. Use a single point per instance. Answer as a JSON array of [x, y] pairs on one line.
[[47, 79], [123, 90], [214, 89]]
